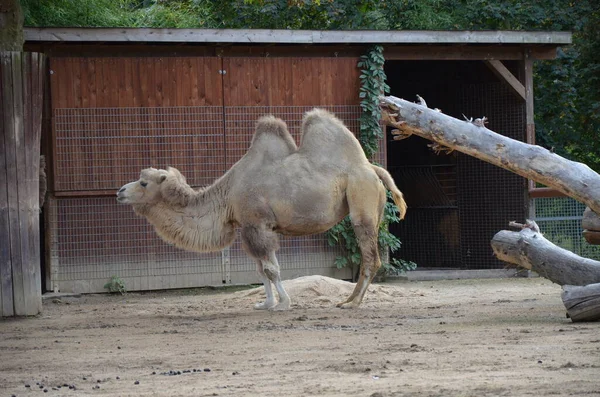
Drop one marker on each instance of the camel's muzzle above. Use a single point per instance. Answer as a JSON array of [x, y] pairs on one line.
[[120, 196]]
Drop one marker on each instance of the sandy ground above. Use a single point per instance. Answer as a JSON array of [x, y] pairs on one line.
[[498, 337]]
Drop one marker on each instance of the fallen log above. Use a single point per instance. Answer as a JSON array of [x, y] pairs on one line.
[[582, 303], [471, 137], [591, 226], [591, 220], [529, 249], [580, 277]]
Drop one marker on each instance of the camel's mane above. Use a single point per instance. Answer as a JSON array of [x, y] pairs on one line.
[[196, 220]]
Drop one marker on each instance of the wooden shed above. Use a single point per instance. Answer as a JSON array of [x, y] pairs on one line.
[[125, 99]]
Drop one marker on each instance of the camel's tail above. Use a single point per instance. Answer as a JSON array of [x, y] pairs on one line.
[[389, 183]]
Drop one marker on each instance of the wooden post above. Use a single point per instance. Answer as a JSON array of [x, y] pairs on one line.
[[21, 76]]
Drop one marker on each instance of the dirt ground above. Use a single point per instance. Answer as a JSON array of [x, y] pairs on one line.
[[493, 337]]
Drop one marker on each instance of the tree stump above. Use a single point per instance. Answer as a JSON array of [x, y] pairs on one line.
[[591, 226], [582, 303]]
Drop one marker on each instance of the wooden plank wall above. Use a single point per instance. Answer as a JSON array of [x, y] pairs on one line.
[[115, 116], [21, 85], [255, 86]]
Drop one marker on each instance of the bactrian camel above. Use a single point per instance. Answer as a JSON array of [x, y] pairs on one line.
[[275, 188]]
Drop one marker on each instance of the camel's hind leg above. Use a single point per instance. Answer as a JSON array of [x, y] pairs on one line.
[[366, 201]]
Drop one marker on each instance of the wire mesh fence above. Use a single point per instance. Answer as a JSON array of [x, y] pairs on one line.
[[559, 219], [94, 238], [457, 202]]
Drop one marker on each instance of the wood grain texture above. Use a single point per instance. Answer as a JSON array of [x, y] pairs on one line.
[[114, 116], [582, 302], [22, 95]]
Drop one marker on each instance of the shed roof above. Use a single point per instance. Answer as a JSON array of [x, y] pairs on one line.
[[268, 36]]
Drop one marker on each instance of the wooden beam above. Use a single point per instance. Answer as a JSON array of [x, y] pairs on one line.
[[505, 75], [464, 52], [290, 36], [391, 52], [543, 192]]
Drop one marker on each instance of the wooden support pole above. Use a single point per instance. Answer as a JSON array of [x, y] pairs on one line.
[[21, 76], [498, 68]]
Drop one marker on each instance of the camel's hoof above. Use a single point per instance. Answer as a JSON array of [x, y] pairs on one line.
[[264, 306], [348, 305], [340, 304], [281, 306]]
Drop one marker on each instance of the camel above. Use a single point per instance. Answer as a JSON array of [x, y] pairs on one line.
[[275, 188]]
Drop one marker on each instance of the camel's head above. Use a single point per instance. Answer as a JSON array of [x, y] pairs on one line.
[[147, 189]]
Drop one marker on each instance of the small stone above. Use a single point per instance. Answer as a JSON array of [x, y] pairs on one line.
[[539, 361], [137, 382], [84, 378], [206, 369], [119, 347], [98, 381], [45, 390], [118, 377], [235, 373], [153, 372], [27, 385]]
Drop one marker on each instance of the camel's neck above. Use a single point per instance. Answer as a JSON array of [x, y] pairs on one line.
[[193, 220]]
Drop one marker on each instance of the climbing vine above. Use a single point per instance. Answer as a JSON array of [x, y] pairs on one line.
[[373, 84]]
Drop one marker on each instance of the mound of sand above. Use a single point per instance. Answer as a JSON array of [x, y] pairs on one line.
[[319, 291]]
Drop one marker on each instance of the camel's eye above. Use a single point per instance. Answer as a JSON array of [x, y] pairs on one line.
[[144, 184]]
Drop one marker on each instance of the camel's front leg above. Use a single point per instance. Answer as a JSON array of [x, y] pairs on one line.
[[270, 301], [271, 269]]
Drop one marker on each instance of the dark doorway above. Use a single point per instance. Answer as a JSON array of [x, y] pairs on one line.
[[456, 202]]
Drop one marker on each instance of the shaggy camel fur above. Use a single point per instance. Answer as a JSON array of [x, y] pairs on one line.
[[275, 188]]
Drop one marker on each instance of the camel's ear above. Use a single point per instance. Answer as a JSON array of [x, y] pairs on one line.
[[163, 176]]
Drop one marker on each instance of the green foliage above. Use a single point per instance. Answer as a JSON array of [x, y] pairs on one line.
[[115, 284], [343, 235], [373, 85], [119, 13]]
